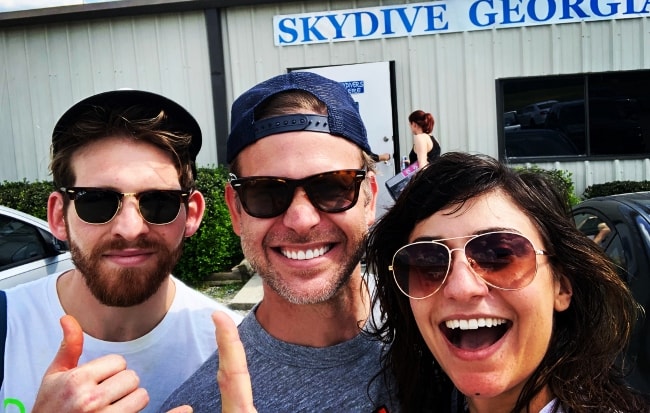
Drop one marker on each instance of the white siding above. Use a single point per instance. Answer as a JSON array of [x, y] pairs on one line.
[[45, 69], [450, 75]]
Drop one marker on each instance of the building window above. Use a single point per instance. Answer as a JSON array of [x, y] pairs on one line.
[[595, 115]]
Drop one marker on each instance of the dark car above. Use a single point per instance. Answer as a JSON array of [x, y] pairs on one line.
[[620, 224], [510, 121], [538, 142], [28, 250], [611, 120]]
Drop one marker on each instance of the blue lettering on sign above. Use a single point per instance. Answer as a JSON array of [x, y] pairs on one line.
[[365, 20], [433, 17], [338, 27], [354, 86], [408, 23], [445, 16], [288, 27], [532, 10], [308, 27]]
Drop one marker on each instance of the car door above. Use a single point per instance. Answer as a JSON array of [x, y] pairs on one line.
[[627, 243], [28, 252]]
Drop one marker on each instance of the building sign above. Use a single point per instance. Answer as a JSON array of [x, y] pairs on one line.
[[445, 16], [354, 87]]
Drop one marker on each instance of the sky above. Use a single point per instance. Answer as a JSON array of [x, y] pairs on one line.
[[14, 5]]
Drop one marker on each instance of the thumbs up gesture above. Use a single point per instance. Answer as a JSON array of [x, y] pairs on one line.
[[233, 377], [101, 385]]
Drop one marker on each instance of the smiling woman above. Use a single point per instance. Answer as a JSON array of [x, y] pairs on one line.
[[490, 294]]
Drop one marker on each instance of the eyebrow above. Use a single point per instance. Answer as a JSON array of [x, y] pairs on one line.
[[479, 232]]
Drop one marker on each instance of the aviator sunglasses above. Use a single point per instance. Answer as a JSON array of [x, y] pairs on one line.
[[270, 196], [504, 260], [100, 206]]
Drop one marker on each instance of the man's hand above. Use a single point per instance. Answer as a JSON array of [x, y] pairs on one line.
[[101, 385], [233, 378]]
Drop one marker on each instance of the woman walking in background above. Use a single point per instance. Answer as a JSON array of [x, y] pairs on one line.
[[425, 147]]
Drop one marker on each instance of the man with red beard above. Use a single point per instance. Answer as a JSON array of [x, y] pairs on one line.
[[123, 163]]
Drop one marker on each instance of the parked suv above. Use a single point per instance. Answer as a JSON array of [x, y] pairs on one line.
[[614, 126], [510, 121], [534, 115], [538, 143]]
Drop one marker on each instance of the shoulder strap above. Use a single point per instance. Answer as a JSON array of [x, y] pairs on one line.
[[3, 333]]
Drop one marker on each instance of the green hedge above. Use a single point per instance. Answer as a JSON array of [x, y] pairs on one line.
[[214, 248], [563, 179], [28, 197], [616, 187]]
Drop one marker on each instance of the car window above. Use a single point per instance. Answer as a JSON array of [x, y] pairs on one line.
[[616, 252], [600, 231], [19, 243]]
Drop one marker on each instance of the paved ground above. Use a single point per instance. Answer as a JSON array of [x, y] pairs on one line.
[[250, 294], [242, 300]]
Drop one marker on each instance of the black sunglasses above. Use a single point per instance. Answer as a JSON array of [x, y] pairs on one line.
[[504, 260], [270, 196], [100, 206]]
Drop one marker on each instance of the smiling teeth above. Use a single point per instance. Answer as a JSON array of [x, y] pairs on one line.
[[474, 323], [305, 255]]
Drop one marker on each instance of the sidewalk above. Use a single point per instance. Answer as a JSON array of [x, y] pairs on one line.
[[250, 294]]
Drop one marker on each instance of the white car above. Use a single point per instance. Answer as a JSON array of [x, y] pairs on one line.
[[510, 121], [534, 115], [28, 250]]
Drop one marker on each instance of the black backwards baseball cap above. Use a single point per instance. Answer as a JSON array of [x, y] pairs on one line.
[[178, 119], [342, 119]]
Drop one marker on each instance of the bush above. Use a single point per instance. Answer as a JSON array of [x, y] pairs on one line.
[[214, 247], [616, 187], [27, 197], [563, 180]]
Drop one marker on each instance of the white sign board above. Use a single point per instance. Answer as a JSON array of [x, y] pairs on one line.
[[369, 85], [444, 16]]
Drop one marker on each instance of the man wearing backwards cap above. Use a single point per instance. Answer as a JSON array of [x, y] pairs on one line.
[[124, 166], [302, 195]]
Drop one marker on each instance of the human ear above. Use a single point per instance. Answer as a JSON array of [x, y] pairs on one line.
[[234, 207], [563, 293], [371, 204], [195, 210], [56, 216]]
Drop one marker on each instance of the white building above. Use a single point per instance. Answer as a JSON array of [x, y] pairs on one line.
[[468, 62]]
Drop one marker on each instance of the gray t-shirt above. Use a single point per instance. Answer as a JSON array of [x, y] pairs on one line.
[[291, 378]]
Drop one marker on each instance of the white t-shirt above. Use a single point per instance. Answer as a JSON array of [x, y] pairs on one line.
[[163, 358]]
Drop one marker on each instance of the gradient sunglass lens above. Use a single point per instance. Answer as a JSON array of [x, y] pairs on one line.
[[504, 260], [268, 197], [335, 191]]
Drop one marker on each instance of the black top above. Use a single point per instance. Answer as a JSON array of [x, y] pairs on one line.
[[431, 155]]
